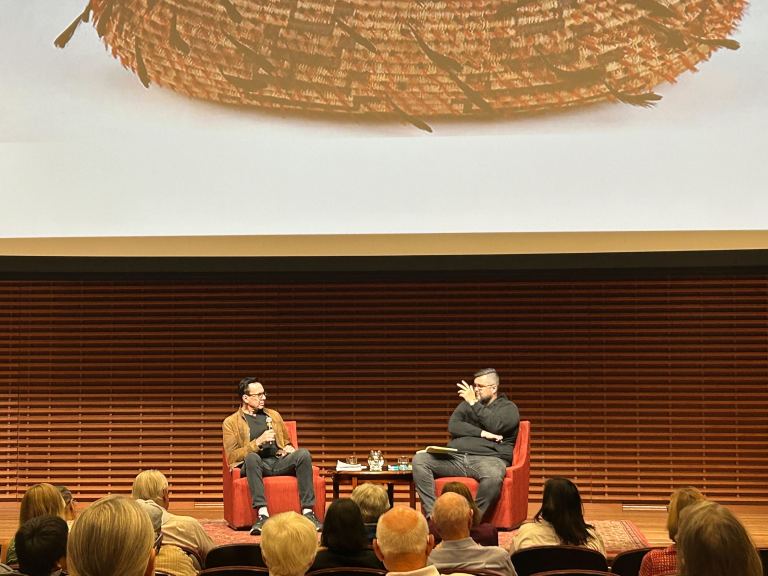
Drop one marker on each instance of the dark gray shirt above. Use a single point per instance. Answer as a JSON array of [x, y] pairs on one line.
[[499, 417]]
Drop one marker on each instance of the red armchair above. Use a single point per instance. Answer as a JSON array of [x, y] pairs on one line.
[[282, 492], [511, 509]]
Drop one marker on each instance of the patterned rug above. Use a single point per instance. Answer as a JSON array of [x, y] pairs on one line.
[[618, 535]]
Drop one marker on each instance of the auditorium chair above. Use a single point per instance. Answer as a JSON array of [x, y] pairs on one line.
[[763, 553], [347, 571], [235, 555], [511, 509], [235, 571], [573, 573], [529, 561], [282, 492], [627, 563]]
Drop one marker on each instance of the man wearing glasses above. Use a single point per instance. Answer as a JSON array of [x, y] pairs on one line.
[[483, 430], [256, 440]]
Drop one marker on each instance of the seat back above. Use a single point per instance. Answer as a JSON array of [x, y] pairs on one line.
[[546, 558], [235, 555], [763, 553], [235, 571], [347, 571], [573, 573], [627, 563]]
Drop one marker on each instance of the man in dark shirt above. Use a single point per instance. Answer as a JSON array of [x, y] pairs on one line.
[[256, 439], [483, 429]]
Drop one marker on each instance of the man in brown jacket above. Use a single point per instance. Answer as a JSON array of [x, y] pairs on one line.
[[256, 440]]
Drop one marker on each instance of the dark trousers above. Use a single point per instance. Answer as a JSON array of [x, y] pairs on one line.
[[298, 463]]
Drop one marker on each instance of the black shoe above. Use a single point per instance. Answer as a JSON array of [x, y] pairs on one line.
[[312, 518], [258, 525]]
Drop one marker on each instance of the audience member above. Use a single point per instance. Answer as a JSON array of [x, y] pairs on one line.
[[481, 532], [39, 500], [712, 542], [41, 546], [344, 539], [112, 537], [70, 512], [453, 518], [560, 520], [373, 501], [288, 544], [403, 543], [169, 558], [184, 532], [664, 560]]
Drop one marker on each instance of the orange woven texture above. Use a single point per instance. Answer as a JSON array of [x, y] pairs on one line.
[[419, 59]]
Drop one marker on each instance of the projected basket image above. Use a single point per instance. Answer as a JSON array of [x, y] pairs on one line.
[[413, 59]]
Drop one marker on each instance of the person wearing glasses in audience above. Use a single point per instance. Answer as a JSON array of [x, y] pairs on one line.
[[483, 430], [257, 441]]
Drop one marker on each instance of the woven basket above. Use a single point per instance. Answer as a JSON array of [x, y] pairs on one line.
[[413, 59]]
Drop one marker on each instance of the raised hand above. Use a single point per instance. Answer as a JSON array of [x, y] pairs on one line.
[[467, 392]]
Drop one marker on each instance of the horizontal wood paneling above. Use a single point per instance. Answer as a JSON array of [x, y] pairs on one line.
[[633, 385]]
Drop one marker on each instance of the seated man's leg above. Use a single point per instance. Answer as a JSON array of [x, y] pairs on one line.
[[489, 472], [253, 466], [427, 467], [300, 463]]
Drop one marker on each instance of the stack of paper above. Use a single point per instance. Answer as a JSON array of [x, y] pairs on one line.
[[344, 467]]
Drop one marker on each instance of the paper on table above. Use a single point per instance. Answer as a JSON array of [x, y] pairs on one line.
[[344, 467]]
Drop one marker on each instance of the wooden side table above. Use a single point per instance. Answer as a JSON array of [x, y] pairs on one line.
[[388, 477]]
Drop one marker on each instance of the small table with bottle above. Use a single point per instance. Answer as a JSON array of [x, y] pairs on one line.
[[378, 473]]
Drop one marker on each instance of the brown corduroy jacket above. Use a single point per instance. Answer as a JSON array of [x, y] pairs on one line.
[[237, 436]]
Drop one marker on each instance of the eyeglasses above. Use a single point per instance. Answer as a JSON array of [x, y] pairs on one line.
[[258, 395], [484, 385], [158, 543]]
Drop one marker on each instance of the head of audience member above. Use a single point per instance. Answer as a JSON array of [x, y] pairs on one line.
[[112, 537], [41, 545], [343, 527], [679, 500], [288, 544], [372, 500], [70, 513], [452, 516], [403, 541], [712, 542], [561, 507], [486, 385], [151, 485], [460, 488], [41, 500]]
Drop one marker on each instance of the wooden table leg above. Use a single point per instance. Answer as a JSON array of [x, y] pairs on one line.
[[391, 493], [412, 490], [335, 486]]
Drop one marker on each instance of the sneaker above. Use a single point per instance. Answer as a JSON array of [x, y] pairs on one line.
[[258, 525], [312, 518]]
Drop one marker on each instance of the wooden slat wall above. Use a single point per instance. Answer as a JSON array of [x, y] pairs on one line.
[[633, 386]]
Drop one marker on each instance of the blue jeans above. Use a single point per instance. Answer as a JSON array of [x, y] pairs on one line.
[[489, 472]]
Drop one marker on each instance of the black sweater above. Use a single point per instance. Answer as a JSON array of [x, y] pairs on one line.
[[499, 417]]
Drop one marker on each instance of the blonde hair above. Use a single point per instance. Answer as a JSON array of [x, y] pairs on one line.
[[402, 531], [150, 485], [372, 500], [41, 500], [680, 499], [112, 537], [288, 544], [712, 542]]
